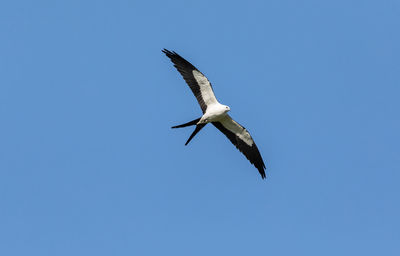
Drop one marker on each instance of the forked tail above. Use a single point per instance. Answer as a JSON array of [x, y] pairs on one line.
[[194, 122]]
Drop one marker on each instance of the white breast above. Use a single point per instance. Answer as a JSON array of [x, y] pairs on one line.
[[214, 112]]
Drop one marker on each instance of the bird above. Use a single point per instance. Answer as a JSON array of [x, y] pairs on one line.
[[215, 112]]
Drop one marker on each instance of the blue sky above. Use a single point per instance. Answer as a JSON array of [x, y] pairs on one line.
[[90, 166]]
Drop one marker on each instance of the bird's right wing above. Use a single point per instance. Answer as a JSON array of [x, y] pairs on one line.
[[197, 82], [241, 138]]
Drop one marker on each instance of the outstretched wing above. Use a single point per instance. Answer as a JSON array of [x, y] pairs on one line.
[[197, 82], [241, 138]]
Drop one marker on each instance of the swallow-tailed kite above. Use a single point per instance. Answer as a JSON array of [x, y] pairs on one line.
[[214, 112]]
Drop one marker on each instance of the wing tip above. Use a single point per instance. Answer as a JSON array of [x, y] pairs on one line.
[[179, 62], [260, 166], [169, 53], [262, 172]]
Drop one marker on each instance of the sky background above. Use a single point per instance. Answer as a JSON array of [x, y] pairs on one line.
[[90, 166]]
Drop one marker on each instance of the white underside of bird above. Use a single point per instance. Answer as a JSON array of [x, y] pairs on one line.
[[215, 112]]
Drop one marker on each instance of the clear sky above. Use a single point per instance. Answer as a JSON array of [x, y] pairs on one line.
[[90, 166]]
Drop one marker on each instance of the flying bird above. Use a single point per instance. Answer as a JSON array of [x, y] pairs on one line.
[[214, 112]]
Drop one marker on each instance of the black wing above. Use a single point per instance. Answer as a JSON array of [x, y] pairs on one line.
[[197, 82], [241, 138]]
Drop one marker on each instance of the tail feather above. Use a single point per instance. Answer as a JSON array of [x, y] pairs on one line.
[[198, 128], [187, 124]]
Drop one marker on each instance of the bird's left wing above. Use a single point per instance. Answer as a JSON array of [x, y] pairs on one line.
[[241, 138], [197, 82]]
